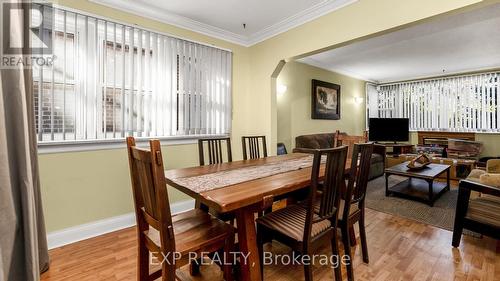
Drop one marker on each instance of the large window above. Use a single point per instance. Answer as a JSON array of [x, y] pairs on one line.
[[467, 103], [110, 80]]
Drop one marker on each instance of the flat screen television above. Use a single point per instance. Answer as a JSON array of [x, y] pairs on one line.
[[389, 129]]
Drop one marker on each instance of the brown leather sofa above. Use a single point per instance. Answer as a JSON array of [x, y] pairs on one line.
[[318, 141]]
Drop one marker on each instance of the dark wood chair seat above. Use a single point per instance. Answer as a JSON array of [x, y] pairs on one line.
[[192, 229], [291, 221], [484, 210]]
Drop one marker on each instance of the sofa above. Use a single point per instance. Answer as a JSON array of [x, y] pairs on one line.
[[319, 141]]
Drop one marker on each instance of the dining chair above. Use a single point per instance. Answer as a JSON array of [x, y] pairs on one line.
[[253, 143], [163, 234], [215, 150], [352, 203], [303, 227], [281, 149]]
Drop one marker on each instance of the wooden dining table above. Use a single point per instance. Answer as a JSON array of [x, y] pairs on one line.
[[246, 198]]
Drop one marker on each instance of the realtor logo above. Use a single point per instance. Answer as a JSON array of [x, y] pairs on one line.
[[27, 30]]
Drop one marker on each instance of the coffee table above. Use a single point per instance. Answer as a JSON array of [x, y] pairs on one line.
[[420, 185]]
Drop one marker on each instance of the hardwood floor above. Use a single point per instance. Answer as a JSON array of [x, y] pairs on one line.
[[400, 249]]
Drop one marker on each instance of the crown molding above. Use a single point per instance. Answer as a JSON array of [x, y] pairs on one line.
[[164, 16], [301, 18], [174, 19], [318, 64]]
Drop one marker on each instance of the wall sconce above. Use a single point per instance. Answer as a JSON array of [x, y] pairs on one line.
[[358, 100], [281, 89]]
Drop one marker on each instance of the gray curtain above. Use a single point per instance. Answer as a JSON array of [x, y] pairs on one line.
[[23, 243]]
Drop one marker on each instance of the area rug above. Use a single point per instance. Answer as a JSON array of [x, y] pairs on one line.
[[441, 215]]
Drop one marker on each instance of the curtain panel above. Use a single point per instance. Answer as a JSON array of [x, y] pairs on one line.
[[23, 243]]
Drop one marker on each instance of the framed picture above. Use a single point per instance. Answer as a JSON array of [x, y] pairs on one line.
[[325, 100]]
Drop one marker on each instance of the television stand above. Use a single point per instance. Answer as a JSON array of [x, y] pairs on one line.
[[397, 148]]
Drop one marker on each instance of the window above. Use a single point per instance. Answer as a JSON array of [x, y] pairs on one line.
[[462, 103], [110, 80]]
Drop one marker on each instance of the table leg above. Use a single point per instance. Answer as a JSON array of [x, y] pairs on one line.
[[448, 179], [431, 193], [247, 240], [387, 184]]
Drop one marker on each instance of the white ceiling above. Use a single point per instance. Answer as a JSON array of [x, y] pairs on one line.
[[458, 43], [224, 18]]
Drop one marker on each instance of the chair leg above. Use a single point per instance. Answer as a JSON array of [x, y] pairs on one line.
[[308, 275], [347, 250], [337, 270], [168, 271], [362, 234], [227, 267], [260, 247], [143, 261], [352, 236], [194, 267]]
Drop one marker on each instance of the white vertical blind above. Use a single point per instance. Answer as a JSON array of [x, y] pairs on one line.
[[112, 80], [468, 103]]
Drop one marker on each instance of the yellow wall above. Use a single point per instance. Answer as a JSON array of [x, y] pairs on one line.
[[294, 106], [358, 20], [86, 186]]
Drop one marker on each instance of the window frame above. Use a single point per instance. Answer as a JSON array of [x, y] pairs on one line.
[[399, 102], [119, 142]]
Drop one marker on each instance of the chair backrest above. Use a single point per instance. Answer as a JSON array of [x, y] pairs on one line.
[[254, 144], [335, 163], [215, 151], [281, 149], [344, 139], [149, 188], [358, 176]]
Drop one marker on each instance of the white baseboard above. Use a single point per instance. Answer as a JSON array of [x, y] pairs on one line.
[[88, 230]]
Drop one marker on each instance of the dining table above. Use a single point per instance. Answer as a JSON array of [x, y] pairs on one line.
[[245, 188]]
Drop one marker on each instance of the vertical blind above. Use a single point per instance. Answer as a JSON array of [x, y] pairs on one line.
[[110, 80], [468, 103]]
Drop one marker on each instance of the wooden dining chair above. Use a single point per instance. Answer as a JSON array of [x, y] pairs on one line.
[[281, 149], [352, 203], [254, 145], [214, 151], [160, 233], [303, 227]]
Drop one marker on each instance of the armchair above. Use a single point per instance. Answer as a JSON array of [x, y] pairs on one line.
[[481, 214]]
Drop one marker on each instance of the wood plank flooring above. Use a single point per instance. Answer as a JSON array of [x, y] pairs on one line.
[[400, 249]]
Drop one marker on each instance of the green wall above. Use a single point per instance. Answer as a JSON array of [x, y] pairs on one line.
[[294, 106]]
